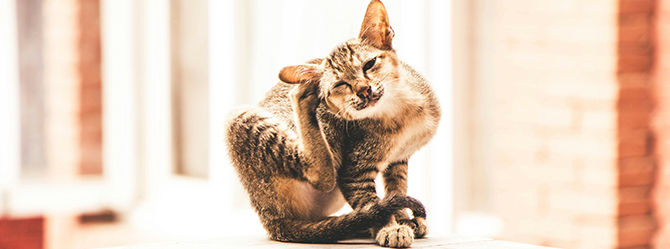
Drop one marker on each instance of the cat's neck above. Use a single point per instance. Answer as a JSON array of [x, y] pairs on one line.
[[404, 101]]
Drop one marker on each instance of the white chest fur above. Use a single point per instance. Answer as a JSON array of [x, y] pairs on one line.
[[415, 135]]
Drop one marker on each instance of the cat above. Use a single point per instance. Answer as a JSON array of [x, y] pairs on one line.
[[322, 135]]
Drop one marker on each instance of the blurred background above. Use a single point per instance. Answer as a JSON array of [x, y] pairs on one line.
[[555, 129]]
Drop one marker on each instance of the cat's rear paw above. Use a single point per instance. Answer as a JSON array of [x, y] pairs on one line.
[[418, 225], [395, 236], [421, 227]]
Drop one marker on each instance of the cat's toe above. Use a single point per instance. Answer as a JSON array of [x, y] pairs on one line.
[[395, 236]]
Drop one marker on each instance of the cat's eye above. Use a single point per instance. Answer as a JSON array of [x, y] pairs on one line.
[[369, 64], [341, 83]]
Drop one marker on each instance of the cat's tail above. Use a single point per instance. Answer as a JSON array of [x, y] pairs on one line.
[[351, 225]]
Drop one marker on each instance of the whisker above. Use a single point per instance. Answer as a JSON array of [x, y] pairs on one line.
[[385, 75], [338, 112]]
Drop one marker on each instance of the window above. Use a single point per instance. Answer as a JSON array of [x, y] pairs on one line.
[[172, 70]]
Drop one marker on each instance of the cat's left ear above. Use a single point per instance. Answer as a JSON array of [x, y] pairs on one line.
[[299, 74], [376, 29]]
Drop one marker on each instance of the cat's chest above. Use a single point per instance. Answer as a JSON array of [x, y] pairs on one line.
[[411, 138], [381, 147]]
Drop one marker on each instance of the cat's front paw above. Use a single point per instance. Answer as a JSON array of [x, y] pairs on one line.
[[395, 236]]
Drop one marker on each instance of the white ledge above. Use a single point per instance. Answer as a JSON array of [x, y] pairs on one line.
[[260, 241]]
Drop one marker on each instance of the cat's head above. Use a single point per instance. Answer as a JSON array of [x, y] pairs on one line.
[[359, 77]]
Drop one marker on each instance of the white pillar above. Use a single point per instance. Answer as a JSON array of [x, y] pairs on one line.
[[119, 89], [10, 130]]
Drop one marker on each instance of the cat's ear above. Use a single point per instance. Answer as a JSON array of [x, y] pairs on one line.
[[299, 74], [376, 29]]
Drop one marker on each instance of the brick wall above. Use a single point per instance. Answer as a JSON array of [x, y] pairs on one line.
[[635, 105], [61, 80], [553, 121], [661, 123], [25, 233], [90, 116], [568, 103], [73, 87]]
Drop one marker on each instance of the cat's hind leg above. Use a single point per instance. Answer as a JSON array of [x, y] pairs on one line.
[[259, 145], [259, 142], [267, 156]]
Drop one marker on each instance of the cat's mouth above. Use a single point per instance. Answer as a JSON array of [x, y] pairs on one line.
[[370, 100]]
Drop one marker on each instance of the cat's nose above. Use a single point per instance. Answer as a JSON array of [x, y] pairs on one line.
[[364, 92]]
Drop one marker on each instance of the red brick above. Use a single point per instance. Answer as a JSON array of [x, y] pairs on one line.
[[25, 233], [636, 230], [634, 208], [91, 99], [639, 178], [634, 63], [635, 105], [634, 94], [89, 53], [641, 19], [632, 150], [636, 171], [634, 194], [635, 48], [640, 33], [634, 80], [635, 164], [634, 120], [636, 6]]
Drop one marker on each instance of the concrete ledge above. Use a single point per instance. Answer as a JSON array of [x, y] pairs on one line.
[[260, 241]]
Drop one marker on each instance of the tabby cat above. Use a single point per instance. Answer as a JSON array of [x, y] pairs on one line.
[[322, 135]]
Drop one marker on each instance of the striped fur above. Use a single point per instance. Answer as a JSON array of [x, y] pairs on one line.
[[320, 138]]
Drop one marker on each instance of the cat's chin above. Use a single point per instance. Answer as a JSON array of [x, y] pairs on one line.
[[372, 103], [372, 110], [369, 109], [377, 108]]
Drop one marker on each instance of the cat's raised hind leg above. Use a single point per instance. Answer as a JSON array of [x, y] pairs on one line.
[[321, 170], [304, 101], [261, 146]]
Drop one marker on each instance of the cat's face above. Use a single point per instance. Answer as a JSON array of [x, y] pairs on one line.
[[356, 79], [360, 77]]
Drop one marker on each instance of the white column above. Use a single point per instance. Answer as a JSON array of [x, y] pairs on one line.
[[62, 84], [222, 94], [156, 97], [120, 108], [10, 130], [439, 64]]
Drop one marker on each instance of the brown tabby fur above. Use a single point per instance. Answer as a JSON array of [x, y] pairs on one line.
[[323, 134]]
